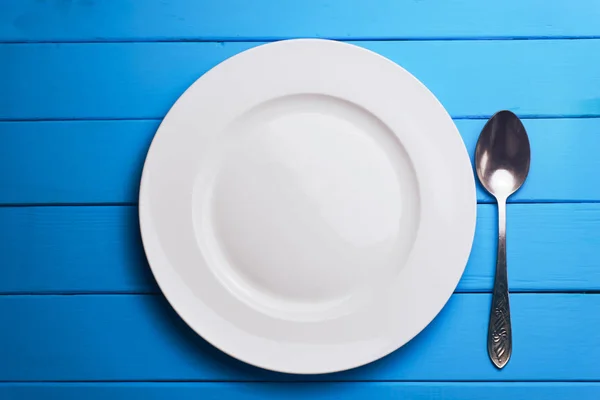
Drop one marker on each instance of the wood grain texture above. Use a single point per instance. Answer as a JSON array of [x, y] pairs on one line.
[[472, 79], [139, 338], [315, 391], [87, 20], [551, 247], [101, 161]]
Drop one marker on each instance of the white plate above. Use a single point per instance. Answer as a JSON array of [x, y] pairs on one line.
[[307, 206]]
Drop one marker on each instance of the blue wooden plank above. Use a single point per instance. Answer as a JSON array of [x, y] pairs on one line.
[[101, 161], [56, 20], [551, 247], [315, 391], [72, 249], [139, 338], [142, 80], [73, 162]]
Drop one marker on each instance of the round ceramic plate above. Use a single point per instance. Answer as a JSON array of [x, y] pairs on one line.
[[307, 206]]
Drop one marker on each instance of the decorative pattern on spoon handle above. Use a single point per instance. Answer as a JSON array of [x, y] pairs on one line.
[[499, 330]]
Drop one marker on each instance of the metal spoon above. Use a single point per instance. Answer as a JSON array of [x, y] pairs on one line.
[[502, 161]]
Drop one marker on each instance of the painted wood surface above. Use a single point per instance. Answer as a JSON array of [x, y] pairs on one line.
[[89, 20], [97, 249], [140, 338], [83, 86], [472, 79], [76, 162], [316, 391]]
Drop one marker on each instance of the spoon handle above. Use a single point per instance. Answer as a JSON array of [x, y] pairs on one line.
[[499, 330]]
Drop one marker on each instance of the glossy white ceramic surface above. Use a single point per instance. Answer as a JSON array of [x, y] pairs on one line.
[[307, 206]]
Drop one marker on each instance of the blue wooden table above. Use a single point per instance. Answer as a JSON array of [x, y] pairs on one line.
[[83, 87]]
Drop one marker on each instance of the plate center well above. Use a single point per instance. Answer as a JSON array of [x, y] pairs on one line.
[[314, 204]]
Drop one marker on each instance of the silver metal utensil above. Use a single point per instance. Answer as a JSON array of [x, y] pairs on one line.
[[502, 161]]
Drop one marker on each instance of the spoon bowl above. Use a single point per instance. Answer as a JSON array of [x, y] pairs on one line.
[[502, 155]]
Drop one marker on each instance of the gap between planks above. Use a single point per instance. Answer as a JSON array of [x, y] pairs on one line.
[[284, 382], [455, 118], [231, 39], [135, 204], [159, 293]]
